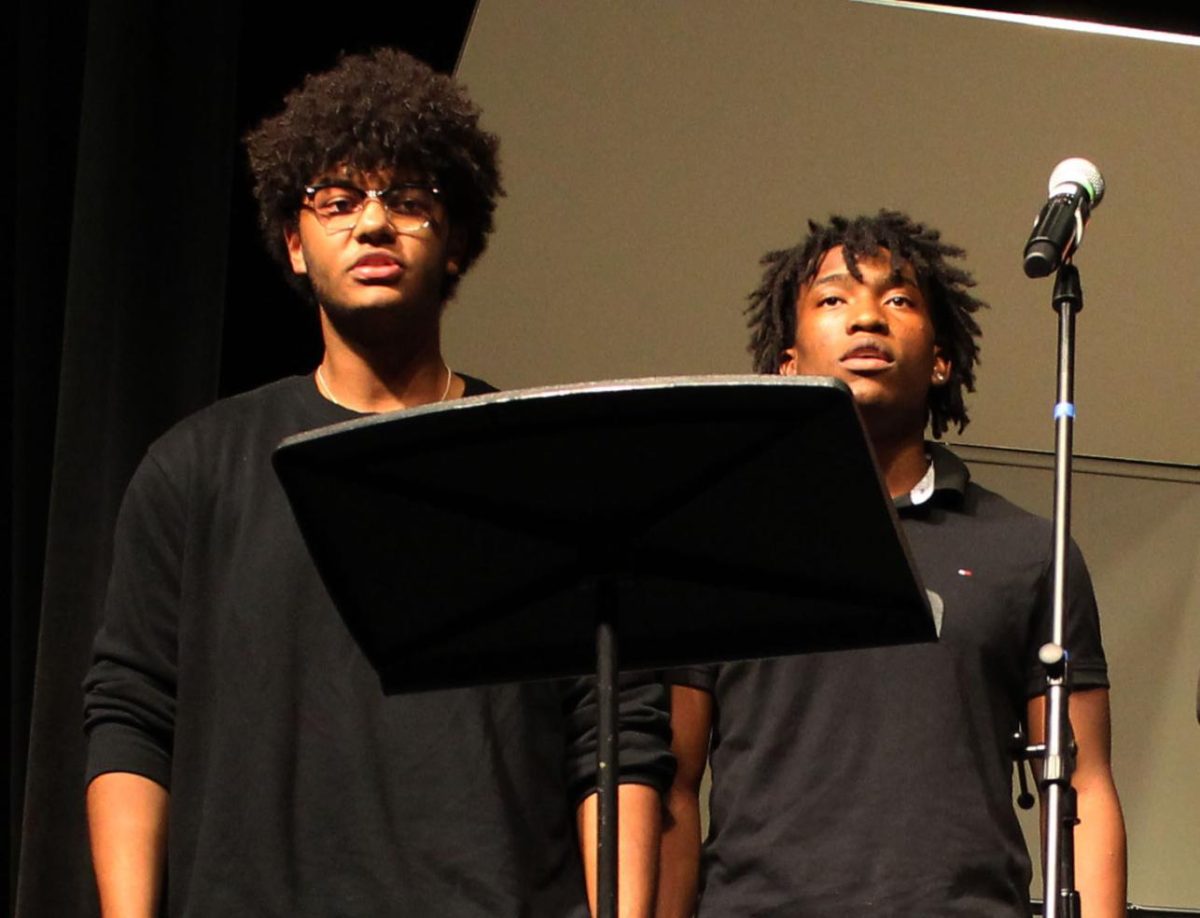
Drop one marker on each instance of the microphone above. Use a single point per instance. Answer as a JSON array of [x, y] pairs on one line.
[[1076, 187]]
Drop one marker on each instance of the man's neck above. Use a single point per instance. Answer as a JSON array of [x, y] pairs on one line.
[[903, 462], [385, 376]]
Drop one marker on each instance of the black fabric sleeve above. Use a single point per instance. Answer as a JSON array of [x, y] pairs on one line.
[[1089, 668], [697, 677], [644, 738], [129, 691], [474, 386]]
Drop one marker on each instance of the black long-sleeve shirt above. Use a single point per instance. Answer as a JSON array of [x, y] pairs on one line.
[[224, 673]]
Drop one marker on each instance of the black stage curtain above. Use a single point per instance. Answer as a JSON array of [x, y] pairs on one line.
[[141, 292]]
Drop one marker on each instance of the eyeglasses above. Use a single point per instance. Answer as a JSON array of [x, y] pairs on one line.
[[410, 208]]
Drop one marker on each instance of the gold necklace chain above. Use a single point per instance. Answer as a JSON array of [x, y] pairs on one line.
[[324, 389]]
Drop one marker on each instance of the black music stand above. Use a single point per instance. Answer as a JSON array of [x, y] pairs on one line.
[[510, 537]]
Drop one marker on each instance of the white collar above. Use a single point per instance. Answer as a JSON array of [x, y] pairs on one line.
[[923, 490]]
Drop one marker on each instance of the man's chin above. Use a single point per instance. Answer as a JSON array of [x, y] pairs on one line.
[[368, 318], [869, 391], [367, 300]]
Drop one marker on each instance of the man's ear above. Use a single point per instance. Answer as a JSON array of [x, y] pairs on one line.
[[291, 238], [456, 247], [787, 363], [941, 368]]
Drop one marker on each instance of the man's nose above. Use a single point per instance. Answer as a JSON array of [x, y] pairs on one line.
[[867, 314], [374, 220]]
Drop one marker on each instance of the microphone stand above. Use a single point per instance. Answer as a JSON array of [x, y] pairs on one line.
[[1061, 899]]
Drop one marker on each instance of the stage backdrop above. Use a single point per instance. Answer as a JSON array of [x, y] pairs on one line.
[[653, 152]]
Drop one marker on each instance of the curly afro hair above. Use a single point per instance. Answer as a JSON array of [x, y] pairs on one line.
[[379, 110], [772, 309]]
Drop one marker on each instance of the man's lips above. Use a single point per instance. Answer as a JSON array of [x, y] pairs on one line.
[[867, 355], [377, 267]]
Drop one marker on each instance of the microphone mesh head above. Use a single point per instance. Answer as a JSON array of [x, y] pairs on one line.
[[1081, 172]]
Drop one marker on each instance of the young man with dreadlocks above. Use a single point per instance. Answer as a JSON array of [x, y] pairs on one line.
[[242, 759], [878, 781]]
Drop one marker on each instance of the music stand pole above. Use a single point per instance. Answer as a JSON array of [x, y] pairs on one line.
[[1061, 899]]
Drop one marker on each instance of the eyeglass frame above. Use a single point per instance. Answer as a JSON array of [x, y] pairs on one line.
[[373, 194]]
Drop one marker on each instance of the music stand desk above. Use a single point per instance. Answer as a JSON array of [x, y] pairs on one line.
[[530, 534]]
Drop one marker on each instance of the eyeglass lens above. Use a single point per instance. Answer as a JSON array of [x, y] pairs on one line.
[[338, 205]]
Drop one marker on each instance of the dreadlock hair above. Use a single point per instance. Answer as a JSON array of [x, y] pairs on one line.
[[772, 306], [376, 111]]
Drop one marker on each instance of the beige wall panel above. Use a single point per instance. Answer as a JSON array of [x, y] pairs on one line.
[[654, 151], [1141, 537]]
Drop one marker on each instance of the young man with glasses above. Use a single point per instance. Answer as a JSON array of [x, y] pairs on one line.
[[242, 758], [878, 781]]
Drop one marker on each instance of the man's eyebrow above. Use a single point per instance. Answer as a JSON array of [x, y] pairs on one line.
[[896, 278], [842, 278]]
